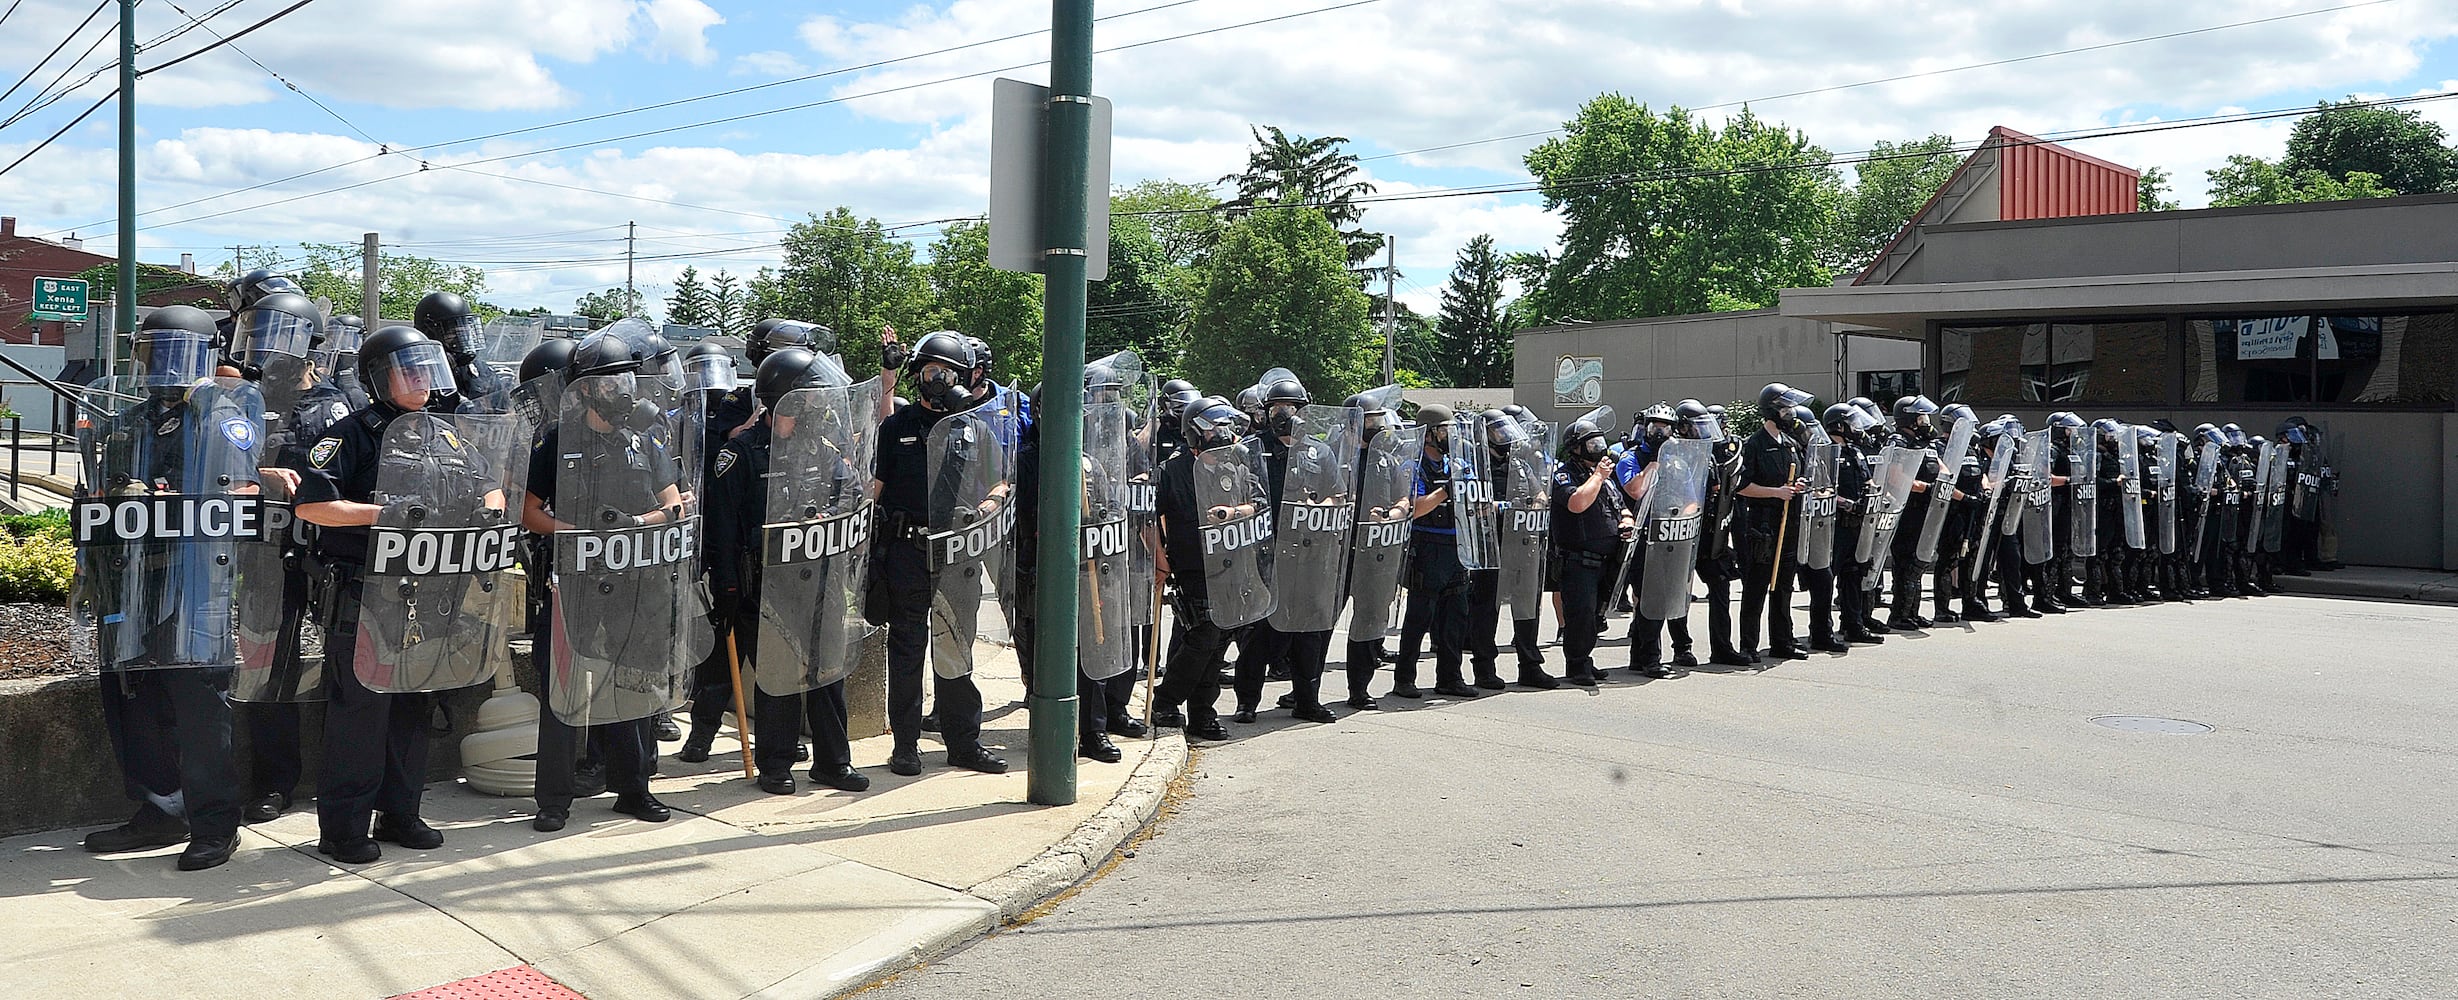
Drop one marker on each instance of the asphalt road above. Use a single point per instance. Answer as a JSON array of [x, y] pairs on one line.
[[1937, 816]]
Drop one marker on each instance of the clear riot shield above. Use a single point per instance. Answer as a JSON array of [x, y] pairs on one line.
[[629, 617], [438, 605], [2083, 510], [2164, 479], [1524, 518], [281, 651], [972, 461], [338, 357], [170, 500], [1814, 524], [1997, 480], [2129, 488], [1950, 467], [815, 542], [2250, 527], [1673, 511], [2039, 507], [1136, 397], [1106, 583], [504, 341], [1472, 495], [1237, 531], [1898, 469], [2304, 495], [540, 401], [2274, 502], [1318, 507], [2205, 484], [1386, 479]]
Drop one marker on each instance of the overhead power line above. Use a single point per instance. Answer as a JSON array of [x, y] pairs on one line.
[[72, 123], [1916, 76], [55, 50], [226, 39]]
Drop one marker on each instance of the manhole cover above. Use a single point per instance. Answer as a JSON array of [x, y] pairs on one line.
[[2149, 724]]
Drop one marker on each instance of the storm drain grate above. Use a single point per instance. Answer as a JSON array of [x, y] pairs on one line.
[[2150, 724]]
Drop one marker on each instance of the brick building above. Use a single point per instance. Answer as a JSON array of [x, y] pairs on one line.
[[23, 259]]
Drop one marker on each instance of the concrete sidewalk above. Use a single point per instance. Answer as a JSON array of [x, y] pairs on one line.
[[2378, 583], [742, 894]]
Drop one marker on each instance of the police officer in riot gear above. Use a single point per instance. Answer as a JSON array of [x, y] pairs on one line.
[[941, 366], [1913, 431], [738, 508], [1849, 425], [1591, 521], [1266, 649], [1485, 585], [446, 318], [170, 726], [375, 744], [1437, 583], [1771, 482], [1192, 678], [274, 338]]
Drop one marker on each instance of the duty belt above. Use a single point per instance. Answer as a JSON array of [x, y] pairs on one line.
[[903, 526]]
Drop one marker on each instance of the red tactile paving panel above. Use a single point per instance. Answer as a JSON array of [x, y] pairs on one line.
[[519, 982]]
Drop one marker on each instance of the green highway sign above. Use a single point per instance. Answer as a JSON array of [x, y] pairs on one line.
[[60, 299]]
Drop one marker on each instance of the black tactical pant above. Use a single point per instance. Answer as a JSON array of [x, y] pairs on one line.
[[1767, 575], [1101, 704], [782, 719], [1193, 677], [1821, 586], [171, 730], [375, 745], [958, 706], [1437, 605], [273, 748], [1718, 575], [712, 681], [626, 749], [1263, 646], [1485, 619], [1587, 579], [1646, 634]]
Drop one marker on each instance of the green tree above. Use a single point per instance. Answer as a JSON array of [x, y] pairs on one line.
[[846, 273], [1184, 219], [2151, 191], [1285, 169], [610, 305], [1666, 214], [333, 271], [1003, 308], [2251, 180], [1888, 188], [691, 304], [1135, 308], [1277, 291], [1473, 336], [731, 302], [2404, 152], [1417, 348]]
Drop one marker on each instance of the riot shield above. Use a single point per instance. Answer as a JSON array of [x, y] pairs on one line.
[[2274, 502], [338, 357], [540, 401], [2257, 500], [281, 652], [1673, 511], [1237, 530], [2205, 483], [972, 513], [1815, 523], [1472, 494], [504, 341], [1898, 469], [1106, 583], [439, 606], [1137, 401], [1524, 519], [2039, 509], [629, 617], [2129, 488], [1318, 507], [1998, 482], [2164, 475], [170, 499], [2304, 497], [1941, 493], [815, 542], [2083, 506], [1386, 478]]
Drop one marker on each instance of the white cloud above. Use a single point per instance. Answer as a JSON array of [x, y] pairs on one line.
[[769, 63], [682, 29]]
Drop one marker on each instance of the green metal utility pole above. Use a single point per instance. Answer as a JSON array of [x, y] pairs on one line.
[[1051, 773], [124, 310]]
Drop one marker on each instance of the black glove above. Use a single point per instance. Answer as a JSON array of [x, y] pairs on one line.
[[894, 354], [725, 603]]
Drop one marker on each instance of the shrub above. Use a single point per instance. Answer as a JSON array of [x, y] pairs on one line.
[[37, 568], [51, 523]]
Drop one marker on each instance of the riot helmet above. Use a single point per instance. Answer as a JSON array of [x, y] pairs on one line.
[[2291, 431], [399, 361], [1502, 433], [942, 367], [446, 319], [1584, 441], [772, 335], [1284, 404], [1210, 422], [1850, 420], [2210, 433], [2107, 428], [1174, 404], [1958, 412], [605, 370], [549, 356], [1250, 401], [1382, 408], [1175, 386], [174, 347], [1102, 383], [709, 368], [1777, 395], [248, 289], [2066, 419], [2235, 435], [1693, 419], [1912, 413], [280, 325], [787, 369], [1656, 423], [1436, 419]]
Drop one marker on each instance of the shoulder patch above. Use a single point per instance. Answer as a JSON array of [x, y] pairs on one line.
[[170, 426], [322, 454], [337, 410], [725, 461], [240, 433], [449, 438]]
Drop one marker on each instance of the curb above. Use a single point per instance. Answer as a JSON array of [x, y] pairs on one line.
[[2427, 591], [1003, 897]]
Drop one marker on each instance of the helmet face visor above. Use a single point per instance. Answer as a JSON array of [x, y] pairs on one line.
[[261, 335], [417, 368], [175, 357], [710, 372]]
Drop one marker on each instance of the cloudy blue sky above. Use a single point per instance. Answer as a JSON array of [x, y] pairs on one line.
[[484, 89]]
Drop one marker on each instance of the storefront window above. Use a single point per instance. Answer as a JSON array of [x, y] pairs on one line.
[[2102, 362], [2394, 359]]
